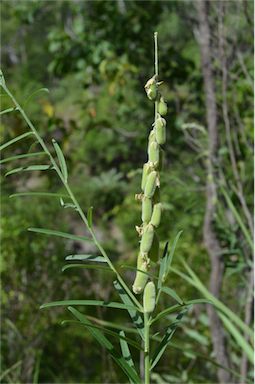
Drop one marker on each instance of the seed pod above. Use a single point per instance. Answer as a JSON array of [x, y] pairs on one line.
[[141, 278], [160, 130], [151, 184], [156, 215], [151, 88], [146, 209], [146, 171], [162, 107], [154, 152], [149, 297], [152, 136], [156, 196], [147, 239], [153, 254]]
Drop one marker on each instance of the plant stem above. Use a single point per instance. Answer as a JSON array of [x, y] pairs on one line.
[[71, 195], [146, 349], [156, 67]]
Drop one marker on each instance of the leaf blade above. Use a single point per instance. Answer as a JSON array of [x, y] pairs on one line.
[[100, 303], [99, 259], [46, 231], [61, 159], [17, 138]]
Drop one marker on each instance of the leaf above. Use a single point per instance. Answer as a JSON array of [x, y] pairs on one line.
[[88, 266], [238, 218], [34, 93], [61, 159], [29, 168], [23, 156], [125, 351], [8, 110], [44, 194], [162, 346], [99, 303], [170, 256], [112, 325], [45, 231], [108, 331], [162, 268], [17, 138], [196, 282], [89, 216], [99, 259], [105, 343], [238, 337], [176, 307], [172, 293], [134, 313]]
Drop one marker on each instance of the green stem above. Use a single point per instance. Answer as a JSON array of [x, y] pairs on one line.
[[156, 68], [71, 195], [146, 349]]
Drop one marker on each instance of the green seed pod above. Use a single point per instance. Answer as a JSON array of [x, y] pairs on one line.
[[152, 136], [153, 254], [146, 209], [147, 239], [154, 152], [146, 171], [151, 184], [140, 279], [156, 196], [151, 88], [160, 131], [156, 215], [149, 297], [162, 107]]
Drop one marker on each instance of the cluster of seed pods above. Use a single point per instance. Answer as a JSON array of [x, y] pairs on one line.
[[150, 185]]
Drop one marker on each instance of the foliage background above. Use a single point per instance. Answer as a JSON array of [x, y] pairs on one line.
[[95, 57]]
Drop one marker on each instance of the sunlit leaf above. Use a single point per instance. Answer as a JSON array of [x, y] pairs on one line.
[[99, 259], [87, 266], [99, 303], [51, 232], [30, 168]]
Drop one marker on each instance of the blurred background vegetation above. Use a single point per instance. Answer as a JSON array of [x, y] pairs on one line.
[[95, 57]]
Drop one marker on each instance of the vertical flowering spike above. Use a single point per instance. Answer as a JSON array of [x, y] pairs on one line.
[[150, 198]]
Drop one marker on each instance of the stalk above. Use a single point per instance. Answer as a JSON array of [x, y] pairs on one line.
[[146, 349]]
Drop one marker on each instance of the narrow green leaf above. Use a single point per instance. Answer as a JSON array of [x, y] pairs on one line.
[[8, 110], [17, 138], [23, 156], [162, 346], [34, 93], [43, 194], [162, 268], [99, 259], [171, 254], [89, 216], [196, 282], [51, 232], [87, 266], [107, 331], [99, 303], [173, 294], [238, 218], [29, 168], [125, 351], [104, 342], [112, 325], [134, 313], [238, 337], [61, 159]]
